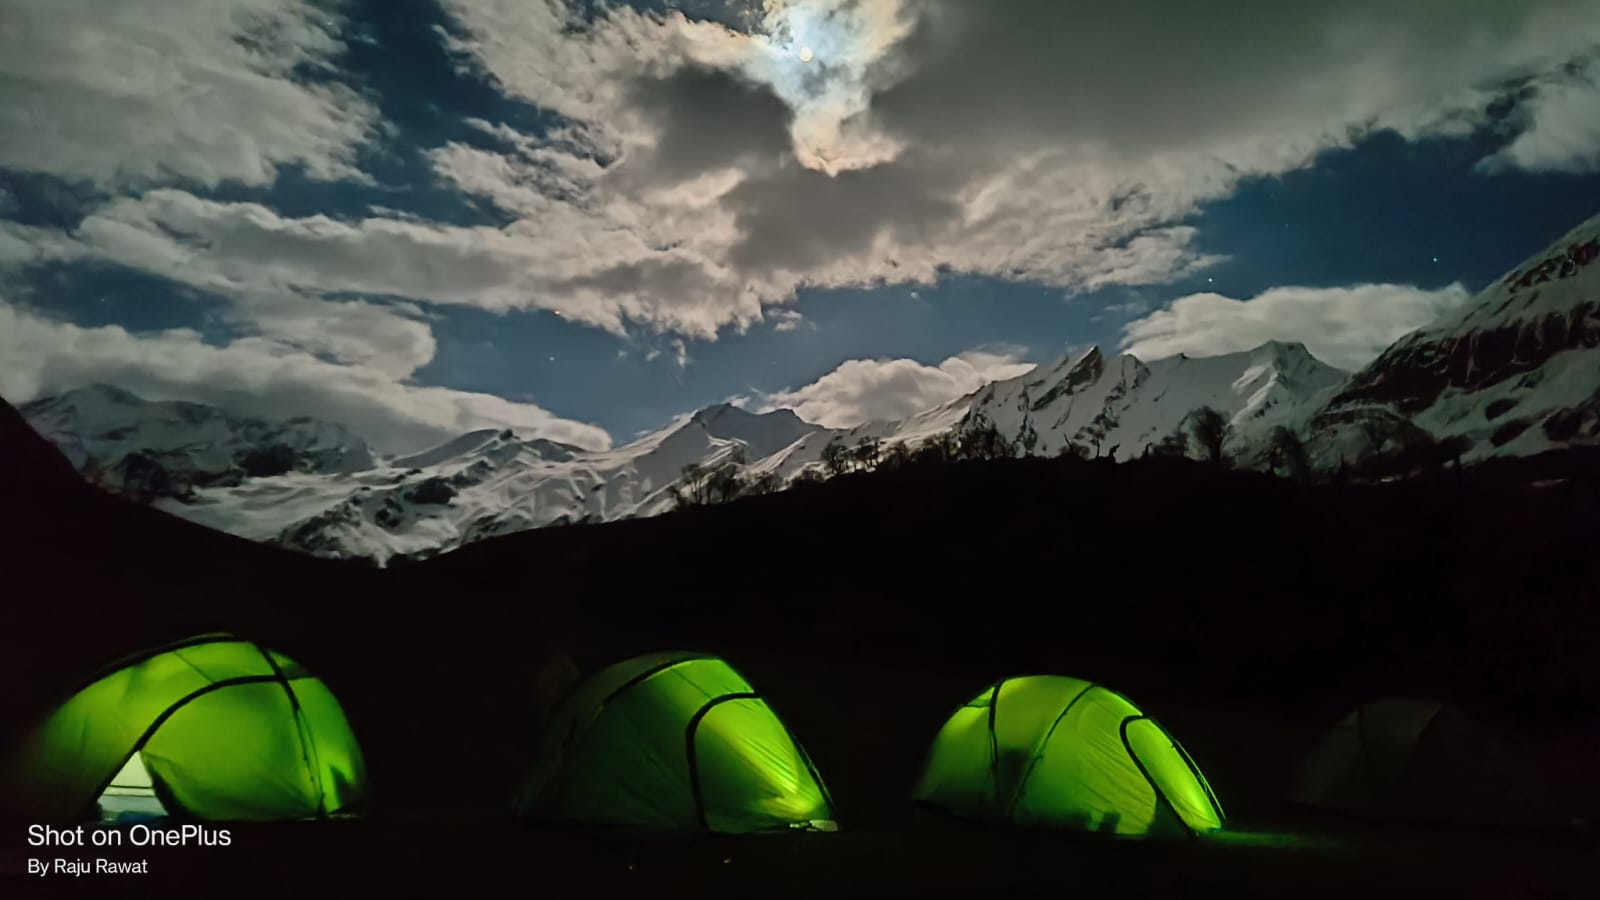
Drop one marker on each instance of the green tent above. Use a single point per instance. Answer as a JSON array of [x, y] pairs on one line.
[[1056, 751], [214, 727], [1422, 761], [674, 741]]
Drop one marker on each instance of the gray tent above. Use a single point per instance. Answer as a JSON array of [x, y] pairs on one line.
[[1421, 761]]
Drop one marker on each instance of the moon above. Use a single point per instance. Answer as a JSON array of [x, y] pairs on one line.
[[806, 55]]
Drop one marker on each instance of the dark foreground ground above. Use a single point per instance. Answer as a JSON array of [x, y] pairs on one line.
[[1244, 613], [442, 826]]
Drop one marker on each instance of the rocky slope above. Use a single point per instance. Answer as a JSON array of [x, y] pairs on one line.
[[1513, 373], [480, 485], [150, 450]]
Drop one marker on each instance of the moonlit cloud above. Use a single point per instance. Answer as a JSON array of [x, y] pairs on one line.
[[592, 274], [863, 390], [141, 91], [787, 320], [667, 179], [1563, 132], [260, 377], [960, 135], [1344, 327]]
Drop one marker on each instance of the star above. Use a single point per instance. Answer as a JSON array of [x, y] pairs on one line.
[[1436, 259]]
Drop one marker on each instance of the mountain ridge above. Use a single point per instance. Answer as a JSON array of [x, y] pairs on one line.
[[489, 482], [1516, 372]]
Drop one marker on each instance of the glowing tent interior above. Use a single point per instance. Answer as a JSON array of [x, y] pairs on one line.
[[673, 741], [1049, 750], [212, 728]]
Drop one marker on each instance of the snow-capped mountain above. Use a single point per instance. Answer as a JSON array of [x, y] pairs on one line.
[[1119, 407], [479, 485], [1114, 407], [1514, 372], [325, 493], [169, 449]]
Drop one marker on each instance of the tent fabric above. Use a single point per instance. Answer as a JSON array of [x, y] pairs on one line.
[[673, 741], [1050, 750], [1420, 761], [227, 729]]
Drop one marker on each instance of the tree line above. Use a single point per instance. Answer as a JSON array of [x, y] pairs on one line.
[[1203, 434], [724, 481]]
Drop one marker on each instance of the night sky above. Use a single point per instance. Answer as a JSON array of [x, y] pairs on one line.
[[580, 220]]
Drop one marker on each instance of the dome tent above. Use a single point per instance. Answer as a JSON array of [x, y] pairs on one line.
[[1420, 761], [1056, 751], [672, 741], [214, 728]]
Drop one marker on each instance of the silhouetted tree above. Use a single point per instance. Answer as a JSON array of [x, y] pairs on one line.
[[1288, 452], [934, 450], [981, 440], [725, 483], [866, 454], [1210, 430], [1174, 445], [1071, 450], [702, 485], [897, 456], [693, 487], [808, 476], [765, 483], [836, 457], [1379, 436]]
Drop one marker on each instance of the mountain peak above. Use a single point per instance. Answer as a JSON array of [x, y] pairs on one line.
[[718, 410], [763, 433], [1287, 353], [1293, 347], [727, 413], [96, 392]]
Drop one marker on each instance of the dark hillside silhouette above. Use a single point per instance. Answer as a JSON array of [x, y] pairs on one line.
[[1230, 581], [1244, 610]]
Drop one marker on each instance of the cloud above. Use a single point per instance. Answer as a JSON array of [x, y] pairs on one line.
[[863, 390], [141, 91], [27, 245], [592, 270], [1142, 78], [388, 338], [1345, 327], [704, 119], [261, 377], [1063, 143], [787, 320], [693, 177], [1563, 125]]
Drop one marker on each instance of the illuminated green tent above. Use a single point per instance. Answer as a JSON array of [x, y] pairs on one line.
[[212, 728], [1422, 761], [673, 741], [1055, 751]]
